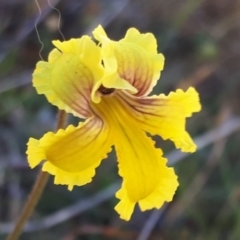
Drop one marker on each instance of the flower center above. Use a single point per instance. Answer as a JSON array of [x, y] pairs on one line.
[[105, 91]]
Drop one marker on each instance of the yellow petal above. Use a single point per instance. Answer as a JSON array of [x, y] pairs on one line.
[[166, 115], [141, 165], [99, 33], [137, 159], [125, 207], [69, 178], [69, 75], [147, 180], [111, 65], [72, 154], [135, 61], [147, 41], [164, 192]]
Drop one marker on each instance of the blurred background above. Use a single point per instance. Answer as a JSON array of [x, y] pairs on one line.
[[201, 43]]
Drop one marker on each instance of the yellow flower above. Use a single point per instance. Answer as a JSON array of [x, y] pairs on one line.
[[108, 86]]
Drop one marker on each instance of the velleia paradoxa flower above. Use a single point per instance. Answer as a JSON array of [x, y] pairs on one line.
[[108, 85]]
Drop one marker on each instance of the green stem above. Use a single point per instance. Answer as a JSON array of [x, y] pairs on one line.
[[36, 190]]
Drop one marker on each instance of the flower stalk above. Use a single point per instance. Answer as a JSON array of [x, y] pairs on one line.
[[37, 190]]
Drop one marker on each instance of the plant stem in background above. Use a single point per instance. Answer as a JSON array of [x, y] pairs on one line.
[[36, 191]]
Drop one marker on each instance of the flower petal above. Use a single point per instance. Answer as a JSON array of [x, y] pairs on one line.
[[133, 58], [140, 164], [125, 207], [147, 180], [146, 41], [69, 178], [163, 193], [69, 75], [166, 115], [72, 154]]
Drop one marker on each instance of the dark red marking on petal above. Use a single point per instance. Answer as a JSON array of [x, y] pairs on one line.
[[105, 91]]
